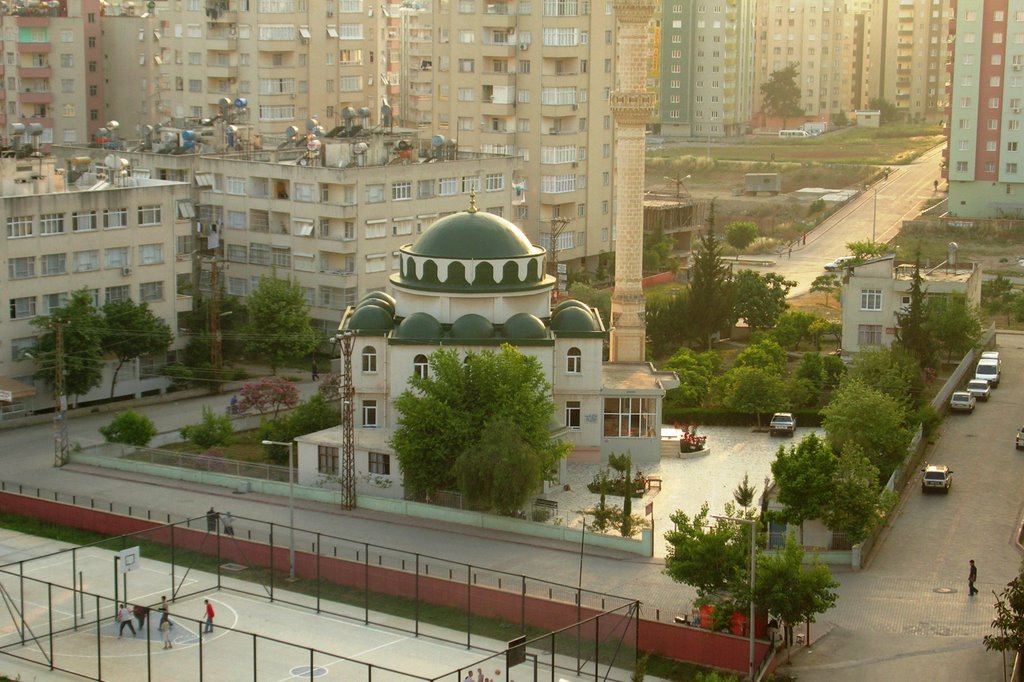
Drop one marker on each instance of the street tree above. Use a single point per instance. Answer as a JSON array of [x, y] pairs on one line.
[[764, 354], [761, 298], [313, 414], [741, 234], [131, 330], [695, 371], [827, 284], [793, 588], [873, 422], [657, 254], [753, 390], [911, 331], [781, 94], [268, 396], [711, 287], [213, 430], [952, 324], [711, 558], [859, 502], [803, 474], [443, 419], [82, 332], [279, 326], [1009, 619]]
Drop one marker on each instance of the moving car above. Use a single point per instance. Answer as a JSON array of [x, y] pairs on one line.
[[979, 388], [782, 423], [937, 477], [962, 401], [838, 263]]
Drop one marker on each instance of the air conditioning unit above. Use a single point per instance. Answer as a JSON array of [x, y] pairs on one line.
[[1017, 67], [575, 107], [575, 164], [524, 46], [126, 270]]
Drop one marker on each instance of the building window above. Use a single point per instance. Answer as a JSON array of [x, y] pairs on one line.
[[116, 257], [369, 414], [23, 308], [871, 299], [86, 261], [151, 291], [629, 418], [19, 226], [116, 294], [869, 335], [151, 254], [327, 460], [572, 415], [420, 366], [51, 223], [380, 463], [574, 361], [115, 218], [21, 268], [83, 221], [150, 215], [401, 191], [369, 357], [54, 264]]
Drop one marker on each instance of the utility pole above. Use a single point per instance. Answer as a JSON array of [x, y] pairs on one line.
[[215, 346], [558, 226], [60, 408], [347, 342]]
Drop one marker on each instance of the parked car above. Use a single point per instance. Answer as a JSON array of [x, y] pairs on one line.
[[962, 401], [937, 477], [1020, 438], [979, 388], [989, 369], [839, 263], [782, 423]]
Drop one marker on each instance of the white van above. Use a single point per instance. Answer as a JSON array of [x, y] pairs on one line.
[[794, 133], [990, 370]]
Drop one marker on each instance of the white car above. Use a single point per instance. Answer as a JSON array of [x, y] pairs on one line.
[[938, 478], [980, 389], [962, 401], [839, 263]]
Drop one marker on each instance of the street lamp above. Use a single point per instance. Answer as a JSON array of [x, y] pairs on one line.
[[291, 506], [753, 569]]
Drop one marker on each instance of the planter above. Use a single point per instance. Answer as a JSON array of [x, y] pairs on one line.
[[692, 455]]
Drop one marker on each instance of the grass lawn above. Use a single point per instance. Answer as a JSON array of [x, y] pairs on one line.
[[246, 447]]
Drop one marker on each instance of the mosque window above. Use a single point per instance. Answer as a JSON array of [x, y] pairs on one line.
[[420, 367], [574, 361], [369, 356]]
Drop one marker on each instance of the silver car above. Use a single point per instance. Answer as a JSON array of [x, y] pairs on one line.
[[979, 388]]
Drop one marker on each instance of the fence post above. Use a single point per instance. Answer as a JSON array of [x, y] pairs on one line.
[[271, 561], [317, 587], [416, 604], [469, 605], [366, 584]]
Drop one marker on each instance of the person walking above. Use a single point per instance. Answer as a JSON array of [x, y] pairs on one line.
[[228, 522], [208, 614], [315, 370], [124, 617], [211, 520], [972, 577], [140, 612], [165, 625]]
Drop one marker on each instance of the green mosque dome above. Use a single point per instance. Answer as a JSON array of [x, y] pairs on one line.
[[472, 326], [419, 326]]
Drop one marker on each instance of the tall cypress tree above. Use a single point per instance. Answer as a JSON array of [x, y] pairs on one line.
[[711, 287], [912, 333]]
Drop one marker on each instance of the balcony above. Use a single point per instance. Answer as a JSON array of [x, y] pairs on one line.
[[34, 48], [221, 71], [35, 97], [26, 72]]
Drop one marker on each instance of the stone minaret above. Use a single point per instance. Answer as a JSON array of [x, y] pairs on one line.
[[631, 106]]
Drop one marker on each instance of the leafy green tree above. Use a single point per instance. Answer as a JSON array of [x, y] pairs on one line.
[[314, 414], [802, 393], [595, 298], [827, 284], [443, 418], [279, 326], [888, 112], [822, 327], [911, 332], [873, 422], [129, 427], [82, 330], [268, 396], [1009, 619], [865, 250], [131, 330], [952, 324], [761, 299], [859, 502], [657, 255], [213, 430], [998, 296], [891, 370], [793, 327], [753, 390], [711, 287], [710, 558], [741, 234], [695, 371], [667, 326], [764, 354], [803, 475], [781, 94]]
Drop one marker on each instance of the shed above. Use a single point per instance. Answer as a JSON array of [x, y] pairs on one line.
[[868, 118], [756, 183]]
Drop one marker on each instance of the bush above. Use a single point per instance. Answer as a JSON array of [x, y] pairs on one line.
[[721, 416], [129, 427], [213, 430]]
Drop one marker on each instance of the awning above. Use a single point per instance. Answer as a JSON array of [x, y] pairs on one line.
[[302, 228], [332, 32], [15, 388], [304, 32], [186, 209], [204, 179]]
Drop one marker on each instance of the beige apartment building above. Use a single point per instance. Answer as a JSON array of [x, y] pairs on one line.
[[84, 224]]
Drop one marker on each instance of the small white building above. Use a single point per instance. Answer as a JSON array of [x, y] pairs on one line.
[[876, 292], [473, 281]]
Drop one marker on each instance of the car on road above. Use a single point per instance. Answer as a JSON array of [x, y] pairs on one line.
[[980, 389], [989, 369], [1020, 438], [937, 477], [962, 401], [839, 263], [782, 423]]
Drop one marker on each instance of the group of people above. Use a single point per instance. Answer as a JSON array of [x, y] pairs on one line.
[[227, 521], [166, 626], [480, 676]]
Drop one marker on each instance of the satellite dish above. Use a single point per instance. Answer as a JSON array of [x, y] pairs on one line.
[[437, 140], [113, 125], [109, 160], [232, 129], [311, 124], [360, 148], [241, 103], [224, 103], [291, 131], [124, 163]]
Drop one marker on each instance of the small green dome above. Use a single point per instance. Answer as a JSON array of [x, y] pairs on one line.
[[380, 299], [419, 326], [371, 319], [570, 303], [574, 320], [525, 326], [473, 235], [472, 326]]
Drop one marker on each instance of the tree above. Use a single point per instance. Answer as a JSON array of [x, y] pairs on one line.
[[314, 414], [711, 287], [781, 94], [82, 331], [131, 330], [859, 502], [741, 234], [892, 370], [827, 284], [129, 427], [911, 332], [211, 431], [666, 322], [268, 395], [865, 250], [710, 558], [744, 492], [695, 373], [753, 390], [278, 327], [803, 475], [595, 298], [998, 296], [822, 327], [871, 421], [888, 112], [952, 324], [793, 327], [1009, 619], [761, 299], [444, 417], [657, 254], [763, 354]]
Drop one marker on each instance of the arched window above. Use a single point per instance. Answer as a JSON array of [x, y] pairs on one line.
[[420, 366], [574, 361], [369, 359]]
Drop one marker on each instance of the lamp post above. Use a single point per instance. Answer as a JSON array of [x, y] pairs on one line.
[[291, 507], [753, 569], [874, 214]]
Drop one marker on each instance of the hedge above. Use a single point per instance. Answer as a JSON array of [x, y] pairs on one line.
[[720, 416]]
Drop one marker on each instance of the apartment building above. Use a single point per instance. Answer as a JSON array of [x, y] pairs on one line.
[[818, 38], [905, 56], [50, 75], [704, 67], [84, 224], [986, 110]]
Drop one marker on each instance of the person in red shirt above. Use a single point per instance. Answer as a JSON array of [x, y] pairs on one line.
[[209, 616]]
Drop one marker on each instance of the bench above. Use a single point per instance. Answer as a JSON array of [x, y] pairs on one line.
[[652, 483], [547, 505]]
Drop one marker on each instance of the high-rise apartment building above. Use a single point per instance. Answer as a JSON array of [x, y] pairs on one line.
[[985, 164]]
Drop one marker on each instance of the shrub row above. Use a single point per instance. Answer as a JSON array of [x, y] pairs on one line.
[[720, 416]]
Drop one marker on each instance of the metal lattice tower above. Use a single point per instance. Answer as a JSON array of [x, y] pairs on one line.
[[348, 443]]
